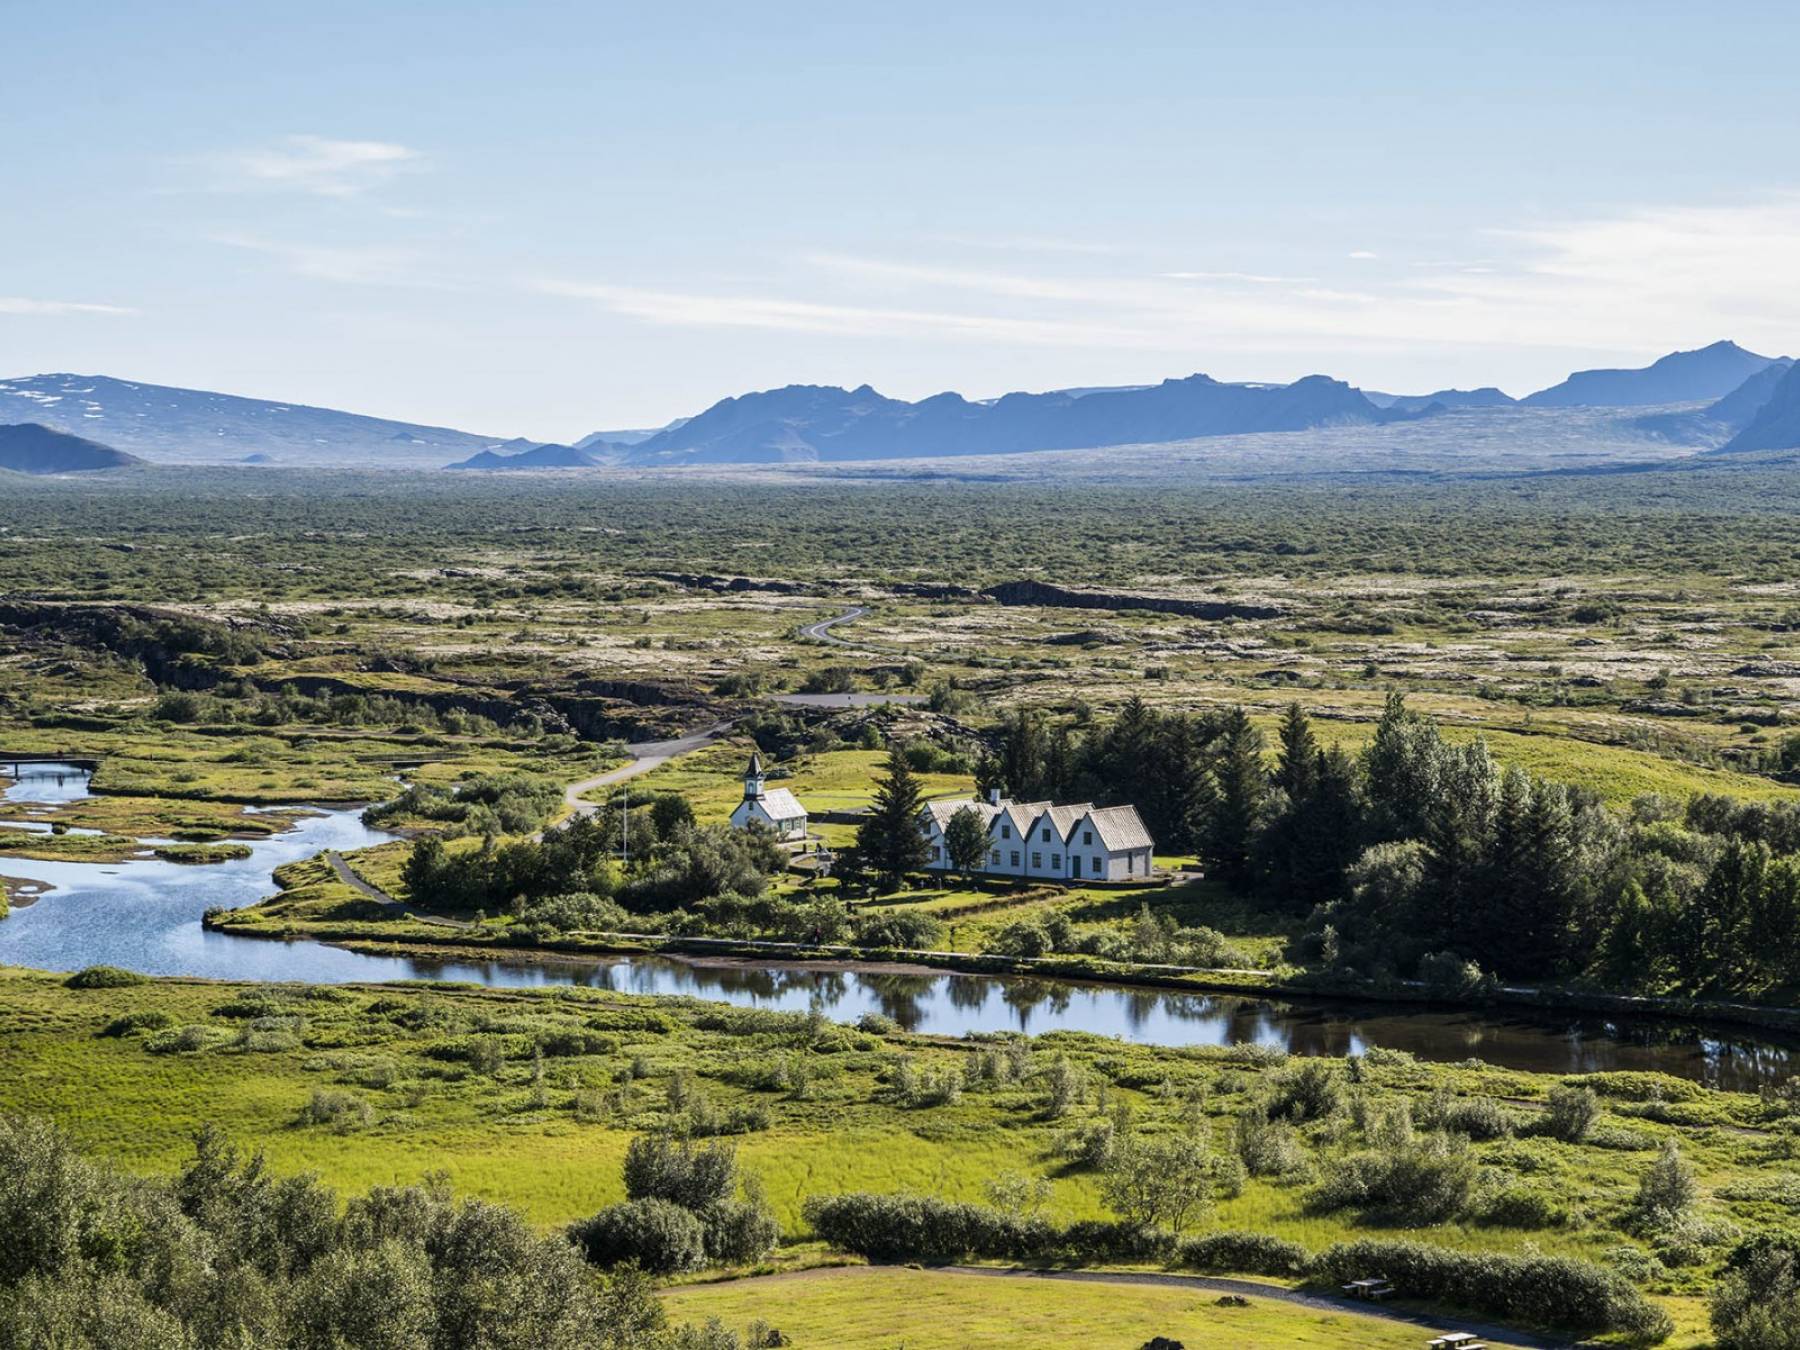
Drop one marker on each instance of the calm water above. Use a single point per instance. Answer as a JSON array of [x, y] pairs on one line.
[[146, 916], [44, 782]]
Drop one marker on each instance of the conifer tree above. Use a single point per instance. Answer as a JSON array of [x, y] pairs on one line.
[[889, 838]]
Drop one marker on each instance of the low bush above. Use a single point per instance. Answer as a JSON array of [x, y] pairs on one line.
[[658, 1235], [1478, 1118], [1573, 1111], [1242, 1253], [1422, 1181], [104, 977], [150, 1019], [1548, 1291]]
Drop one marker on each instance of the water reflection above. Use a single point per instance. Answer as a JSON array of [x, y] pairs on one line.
[[45, 782], [145, 916]]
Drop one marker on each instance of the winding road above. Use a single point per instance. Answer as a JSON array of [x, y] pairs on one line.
[[356, 882], [645, 756], [821, 631]]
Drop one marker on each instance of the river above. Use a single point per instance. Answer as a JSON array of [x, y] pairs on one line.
[[145, 916]]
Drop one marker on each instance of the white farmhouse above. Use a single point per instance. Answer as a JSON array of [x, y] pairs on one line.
[[1042, 840], [777, 810]]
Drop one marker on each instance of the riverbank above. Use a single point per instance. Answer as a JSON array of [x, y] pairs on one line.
[[388, 937]]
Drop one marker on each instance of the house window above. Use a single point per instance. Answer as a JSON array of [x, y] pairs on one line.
[[1056, 860], [996, 857], [1046, 834], [1130, 863], [1037, 860], [936, 853], [1006, 832], [1015, 857], [1087, 837], [1097, 868]]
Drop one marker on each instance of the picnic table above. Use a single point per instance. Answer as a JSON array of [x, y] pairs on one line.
[[1456, 1340], [1376, 1289]]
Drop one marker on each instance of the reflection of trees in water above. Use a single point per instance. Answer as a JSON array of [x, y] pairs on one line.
[[967, 993], [900, 996], [1545, 1044], [1027, 997]]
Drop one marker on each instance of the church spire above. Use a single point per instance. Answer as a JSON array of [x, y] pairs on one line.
[[753, 777]]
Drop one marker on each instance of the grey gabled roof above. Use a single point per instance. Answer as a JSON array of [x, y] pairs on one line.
[[782, 805], [1120, 828], [941, 812]]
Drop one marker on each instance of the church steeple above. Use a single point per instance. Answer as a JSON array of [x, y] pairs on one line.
[[753, 777]]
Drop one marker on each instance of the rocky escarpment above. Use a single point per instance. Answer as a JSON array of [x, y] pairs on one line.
[[1070, 597]]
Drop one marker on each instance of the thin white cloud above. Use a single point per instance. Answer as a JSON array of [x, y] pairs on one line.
[[18, 304], [685, 309], [359, 265], [1635, 282], [1248, 278], [318, 165], [1363, 255]]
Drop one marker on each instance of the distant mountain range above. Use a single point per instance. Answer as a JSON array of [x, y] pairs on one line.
[[193, 426], [1680, 377], [29, 447], [821, 423], [1701, 398], [1485, 397]]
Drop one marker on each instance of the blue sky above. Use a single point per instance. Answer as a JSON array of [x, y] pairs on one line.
[[543, 219]]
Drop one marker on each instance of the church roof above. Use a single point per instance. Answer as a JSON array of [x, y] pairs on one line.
[[783, 805], [755, 769]]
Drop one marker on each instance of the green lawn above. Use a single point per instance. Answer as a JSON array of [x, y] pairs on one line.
[[876, 1308]]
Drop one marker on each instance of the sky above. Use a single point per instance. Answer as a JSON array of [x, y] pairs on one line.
[[544, 219]]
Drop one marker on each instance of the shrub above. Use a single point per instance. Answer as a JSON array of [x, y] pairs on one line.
[[1757, 1306], [150, 1019], [342, 1111], [1422, 1181], [1525, 1207], [104, 977], [1667, 1188], [1551, 1291], [1310, 1092], [1572, 1113], [910, 1227], [1447, 975], [1478, 1118], [186, 1040], [906, 932], [659, 1236], [1089, 1144], [1268, 1148], [877, 1024], [1243, 1253]]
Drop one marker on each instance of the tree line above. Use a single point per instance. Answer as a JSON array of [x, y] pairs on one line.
[[1418, 847]]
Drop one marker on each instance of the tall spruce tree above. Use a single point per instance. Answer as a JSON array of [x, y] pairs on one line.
[[1297, 761], [889, 839], [1241, 789]]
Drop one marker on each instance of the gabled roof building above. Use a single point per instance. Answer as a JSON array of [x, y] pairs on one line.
[[1044, 840]]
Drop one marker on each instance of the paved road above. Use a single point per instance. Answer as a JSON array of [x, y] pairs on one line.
[[645, 756], [847, 700], [821, 631], [351, 878]]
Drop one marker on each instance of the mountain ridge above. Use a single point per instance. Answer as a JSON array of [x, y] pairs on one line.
[[826, 423], [171, 424], [1699, 376], [33, 448], [1776, 425]]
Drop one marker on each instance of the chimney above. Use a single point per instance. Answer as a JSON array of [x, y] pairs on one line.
[[993, 796]]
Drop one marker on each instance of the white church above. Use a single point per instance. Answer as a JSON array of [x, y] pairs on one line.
[[776, 809], [1041, 840]]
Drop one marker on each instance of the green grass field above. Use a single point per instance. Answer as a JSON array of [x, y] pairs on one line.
[[879, 1308], [548, 1135]]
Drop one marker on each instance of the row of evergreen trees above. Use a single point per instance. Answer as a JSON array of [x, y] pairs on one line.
[[1419, 845]]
